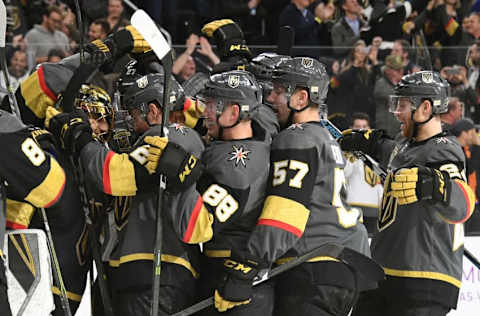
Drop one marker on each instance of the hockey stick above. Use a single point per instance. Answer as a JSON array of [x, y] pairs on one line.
[[147, 28], [370, 269], [471, 257], [56, 264], [3, 59]]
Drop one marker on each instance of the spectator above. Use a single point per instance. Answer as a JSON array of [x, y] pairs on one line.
[[55, 55], [184, 66], [98, 30], [356, 81], [390, 76], [115, 15], [274, 8], [454, 113], [468, 137], [473, 62], [346, 30], [402, 48], [460, 87], [17, 71], [364, 187], [46, 36], [309, 30]]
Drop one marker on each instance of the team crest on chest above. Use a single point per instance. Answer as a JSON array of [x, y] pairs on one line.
[[239, 155], [179, 128], [233, 81]]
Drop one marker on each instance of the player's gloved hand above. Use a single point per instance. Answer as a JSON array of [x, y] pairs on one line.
[[71, 129], [363, 140], [127, 40], [236, 284], [192, 111], [180, 168], [410, 185], [228, 37]]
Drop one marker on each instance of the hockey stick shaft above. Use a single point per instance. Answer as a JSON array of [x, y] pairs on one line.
[[331, 250], [471, 257], [148, 29], [56, 265]]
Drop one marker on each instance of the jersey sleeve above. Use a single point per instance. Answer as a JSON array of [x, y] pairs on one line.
[[32, 175], [285, 211], [116, 174], [207, 208]]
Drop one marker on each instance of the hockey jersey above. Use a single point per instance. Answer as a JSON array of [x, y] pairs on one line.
[[305, 205], [424, 240], [222, 208], [30, 174], [135, 207]]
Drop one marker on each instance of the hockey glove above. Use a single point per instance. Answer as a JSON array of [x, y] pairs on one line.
[[179, 167], [236, 284], [421, 183], [228, 37], [360, 140], [127, 40], [71, 129], [192, 111]]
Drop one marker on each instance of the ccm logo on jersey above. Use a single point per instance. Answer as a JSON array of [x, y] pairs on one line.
[[236, 266], [191, 163]]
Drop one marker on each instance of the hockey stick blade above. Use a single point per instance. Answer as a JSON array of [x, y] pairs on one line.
[[150, 32], [329, 249]]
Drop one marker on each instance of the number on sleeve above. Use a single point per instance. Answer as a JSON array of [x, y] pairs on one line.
[[225, 205], [33, 152]]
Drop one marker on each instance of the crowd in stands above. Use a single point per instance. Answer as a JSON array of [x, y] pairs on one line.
[[367, 45]]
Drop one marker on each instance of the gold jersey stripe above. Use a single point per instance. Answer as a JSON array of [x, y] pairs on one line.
[[423, 275], [50, 190], [285, 214], [451, 26], [314, 259], [71, 296], [121, 176], [18, 214], [218, 253], [149, 256], [36, 94]]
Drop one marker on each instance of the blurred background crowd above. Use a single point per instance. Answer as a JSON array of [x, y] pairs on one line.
[[367, 45]]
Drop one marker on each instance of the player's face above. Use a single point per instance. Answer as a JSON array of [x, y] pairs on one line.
[[278, 99], [403, 114], [211, 118], [140, 126], [99, 126], [360, 124]]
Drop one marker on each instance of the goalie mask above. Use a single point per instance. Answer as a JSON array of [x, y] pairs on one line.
[[96, 103]]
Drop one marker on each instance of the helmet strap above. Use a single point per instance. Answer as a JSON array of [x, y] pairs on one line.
[[417, 124]]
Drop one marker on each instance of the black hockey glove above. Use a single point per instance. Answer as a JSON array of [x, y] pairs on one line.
[[180, 168], [421, 183], [236, 284], [72, 130], [228, 37], [127, 40], [363, 140]]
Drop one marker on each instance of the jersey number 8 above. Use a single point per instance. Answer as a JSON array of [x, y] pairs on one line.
[[33, 152]]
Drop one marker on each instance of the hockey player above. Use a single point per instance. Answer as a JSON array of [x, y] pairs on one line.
[[31, 174], [221, 209], [364, 187], [305, 205], [127, 177], [426, 200]]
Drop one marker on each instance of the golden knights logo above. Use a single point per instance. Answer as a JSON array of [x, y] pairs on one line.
[[388, 209], [307, 62], [427, 77], [233, 81], [142, 82], [239, 154]]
